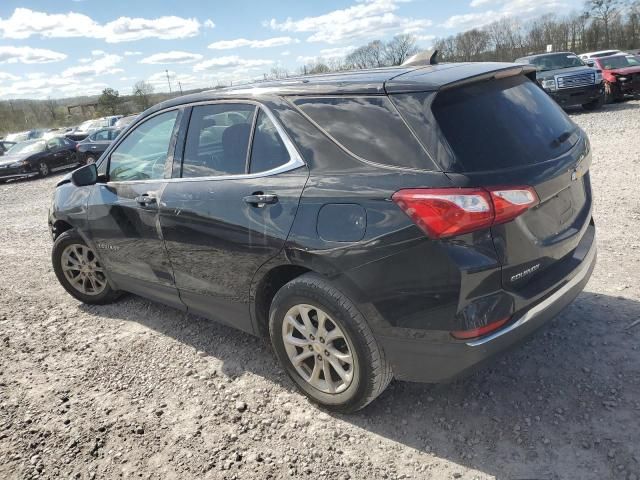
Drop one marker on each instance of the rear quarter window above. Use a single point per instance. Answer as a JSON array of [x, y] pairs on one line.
[[369, 128]]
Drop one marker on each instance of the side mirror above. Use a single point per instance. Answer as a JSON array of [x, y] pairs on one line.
[[84, 176], [590, 63]]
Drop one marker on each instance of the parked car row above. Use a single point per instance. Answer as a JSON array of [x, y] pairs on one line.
[[590, 79], [39, 152]]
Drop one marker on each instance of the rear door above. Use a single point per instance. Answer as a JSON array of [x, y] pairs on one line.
[[229, 207], [57, 154], [508, 132]]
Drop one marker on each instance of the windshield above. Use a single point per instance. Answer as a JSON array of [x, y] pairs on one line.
[[556, 62], [27, 147], [610, 63], [87, 125]]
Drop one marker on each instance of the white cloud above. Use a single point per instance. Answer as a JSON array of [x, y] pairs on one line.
[[336, 52], [365, 19], [8, 76], [505, 8], [104, 65], [98, 53], [11, 54], [243, 42], [230, 61], [129, 53], [286, 53], [24, 23], [126, 29], [209, 23], [41, 85], [172, 57], [482, 3]]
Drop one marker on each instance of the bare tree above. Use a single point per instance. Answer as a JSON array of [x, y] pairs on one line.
[[51, 106], [367, 56], [604, 11], [142, 94], [399, 48], [278, 72]]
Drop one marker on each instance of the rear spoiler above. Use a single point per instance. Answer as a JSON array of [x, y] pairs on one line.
[[444, 76], [527, 70]]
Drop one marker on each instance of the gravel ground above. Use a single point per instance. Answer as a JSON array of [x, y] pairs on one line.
[[136, 389]]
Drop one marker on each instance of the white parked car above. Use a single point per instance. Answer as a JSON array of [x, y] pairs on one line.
[[598, 54]]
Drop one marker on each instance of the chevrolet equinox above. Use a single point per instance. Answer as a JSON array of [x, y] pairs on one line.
[[405, 222]]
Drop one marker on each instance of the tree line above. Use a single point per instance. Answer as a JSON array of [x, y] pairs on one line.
[[602, 25]]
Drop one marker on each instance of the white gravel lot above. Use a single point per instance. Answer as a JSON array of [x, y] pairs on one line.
[[139, 390]]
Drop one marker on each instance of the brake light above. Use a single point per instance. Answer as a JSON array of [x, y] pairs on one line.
[[479, 332], [447, 212]]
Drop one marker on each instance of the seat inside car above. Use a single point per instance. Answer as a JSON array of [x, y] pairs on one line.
[[234, 146]]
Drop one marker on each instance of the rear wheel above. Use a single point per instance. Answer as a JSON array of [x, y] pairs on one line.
[[43, 169], [326, 346], [79, 271]]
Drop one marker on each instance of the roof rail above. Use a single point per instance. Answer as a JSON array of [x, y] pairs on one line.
[[426, 57]]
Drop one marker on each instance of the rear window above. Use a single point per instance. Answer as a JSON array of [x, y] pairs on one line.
[[369, 127], [503, 123]]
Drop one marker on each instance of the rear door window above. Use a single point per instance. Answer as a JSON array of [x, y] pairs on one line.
[[218, 140], [368, 127], [502, 123], [268, 151]]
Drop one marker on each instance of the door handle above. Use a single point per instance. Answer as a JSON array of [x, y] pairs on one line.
[[260, 199], [146, 199]]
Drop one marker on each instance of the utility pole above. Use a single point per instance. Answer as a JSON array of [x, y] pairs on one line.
[[180, 85], [168, 81]]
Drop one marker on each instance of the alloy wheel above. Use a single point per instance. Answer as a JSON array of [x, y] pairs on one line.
[[318, 348], [43, 168], [82, 269]]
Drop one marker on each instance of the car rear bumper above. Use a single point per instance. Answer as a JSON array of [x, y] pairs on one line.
[[436, 361], [577, 96]]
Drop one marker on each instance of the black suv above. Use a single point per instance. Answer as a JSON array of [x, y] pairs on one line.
[[406, 222], [567, 79]]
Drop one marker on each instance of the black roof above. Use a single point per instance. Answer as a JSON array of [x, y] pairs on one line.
[[363, 82]]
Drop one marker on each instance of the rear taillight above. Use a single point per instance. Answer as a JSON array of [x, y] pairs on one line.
[[447, 212]]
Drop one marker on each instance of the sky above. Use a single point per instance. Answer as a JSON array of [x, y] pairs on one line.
[[62, 48]]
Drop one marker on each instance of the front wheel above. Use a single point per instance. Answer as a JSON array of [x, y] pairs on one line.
[[594, 105], [79, 271], [43, 169], [326, 346]]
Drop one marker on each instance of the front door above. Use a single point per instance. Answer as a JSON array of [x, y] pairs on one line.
[[57, 153], [123, 212], [231, 208]]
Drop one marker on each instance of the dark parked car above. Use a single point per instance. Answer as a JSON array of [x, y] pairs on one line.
[[406, 222], [567, 79], [4, 146], [90, 149], [38, 157]]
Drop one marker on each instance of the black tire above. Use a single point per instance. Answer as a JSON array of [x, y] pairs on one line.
[[89, 159], [594, 105], [612, 94], [66, 239], [43, 169], [371, 370]]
